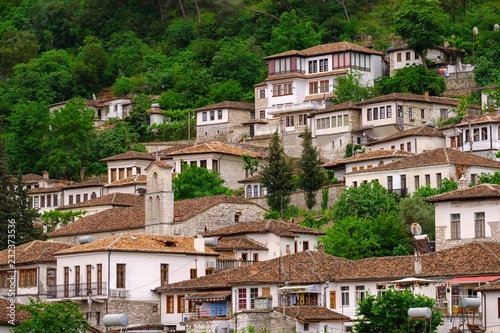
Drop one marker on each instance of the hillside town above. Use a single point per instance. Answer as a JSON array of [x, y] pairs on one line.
[[217, 264]]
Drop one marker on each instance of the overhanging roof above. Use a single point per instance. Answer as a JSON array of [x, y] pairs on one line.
[[473, 279], [209, 296]]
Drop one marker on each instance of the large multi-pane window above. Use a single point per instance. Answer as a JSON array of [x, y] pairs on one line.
[[28, 278], [360, 293], [455, 226], [254, 292], [479, 224], [324, 86], [282, 89], [120, 275], [170, 304], [290, 121], [323, 65], [345, 295], [242, 299]]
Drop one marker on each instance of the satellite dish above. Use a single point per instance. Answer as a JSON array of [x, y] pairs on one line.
[[416, 229]]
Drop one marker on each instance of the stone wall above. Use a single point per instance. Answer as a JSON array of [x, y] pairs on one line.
[[219, 216], [460, 84], [139, 313], [442, 243]]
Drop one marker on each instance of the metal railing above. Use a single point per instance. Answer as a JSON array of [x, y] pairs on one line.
[[222, 265], [77, 290]]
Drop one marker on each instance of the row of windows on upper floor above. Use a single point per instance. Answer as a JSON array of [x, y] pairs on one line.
[[205, 115], [338, 61], [479, 225], [399, 56]]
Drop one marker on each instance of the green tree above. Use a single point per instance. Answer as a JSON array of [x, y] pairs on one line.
[[16, 213], [251, 164], [66, 152], [293, 33], [356, 237], [486, 178], [196, 182], [52, 218], [420, 23], [311, 175], [416, 210], [350, 89], [388, 313], [139, 117], [414, 79], [25, 135], [54, 317], [90, 67], [446, 185], [277, 176], [366, 201], [16, 47]]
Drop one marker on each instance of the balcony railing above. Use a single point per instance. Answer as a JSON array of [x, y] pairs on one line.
[[312, 105], [230, 264], [77, 290]]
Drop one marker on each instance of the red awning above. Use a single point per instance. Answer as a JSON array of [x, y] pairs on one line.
[[473, 279]]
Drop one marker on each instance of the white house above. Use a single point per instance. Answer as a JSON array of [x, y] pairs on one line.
[[225, 121], [299, 82], [126, 165], [156, 115], [415, 140], [117, 274], [34, 271], [217, 156], [83, 191], [491, 297], [479, 134], [426, 169], [309, 282], [252, 187], [336, 126], [467, 214], [388, 114], [263, 240]]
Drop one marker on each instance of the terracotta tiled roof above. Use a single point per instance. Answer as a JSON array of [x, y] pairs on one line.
[[161, 164], [130, 155], [21, 315], [471, 259], [34, 252], [214, 147], [278, 228], [116, 219], [494, 285], [306, 76], [478, 119], [325, 49], [418, 131], [138, 179], [154, 111], [411, 97], [55, 188], [114, 199], [130, 218], [305, 267], [87, 183], [228, 105], [141, 243], [30, 177], [238, 243], [312, 313], [185, 209], [371, 155], [482, 191], [338, 107], [250, 179], [439, 156]]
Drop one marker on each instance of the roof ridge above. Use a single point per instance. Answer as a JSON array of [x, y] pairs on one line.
[[447, 158], [108, 247], [489, 251]]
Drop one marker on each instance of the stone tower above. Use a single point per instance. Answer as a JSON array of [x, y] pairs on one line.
[[159, 199]]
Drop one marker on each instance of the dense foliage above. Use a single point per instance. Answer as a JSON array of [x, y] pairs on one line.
[[196, 182], [54, 317], [388, 312]]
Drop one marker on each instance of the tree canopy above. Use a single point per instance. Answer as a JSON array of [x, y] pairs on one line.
[[388, 312], [196, 182]]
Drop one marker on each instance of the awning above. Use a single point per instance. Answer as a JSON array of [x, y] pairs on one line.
[[473, 279], [412, 280], [209, 296], [313, 288]]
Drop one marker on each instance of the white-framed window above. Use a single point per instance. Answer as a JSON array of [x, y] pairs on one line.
[[290, 121], [345, 295], [242, 298], [302, 119], [262, 114], [455, 226], [313, 66], [479, 224], [262, 93], [204, 116], [282, 89], [212, 115], [248, 191], [324, 86], [219, 114], [36, 202], [360, 293], [323, 65]]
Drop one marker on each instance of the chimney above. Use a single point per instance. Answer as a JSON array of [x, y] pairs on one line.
[[426, 94], [462, 183], [199, 244], [45, 174]]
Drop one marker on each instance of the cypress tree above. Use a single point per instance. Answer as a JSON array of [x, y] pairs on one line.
[[277, 176], [312, 175]]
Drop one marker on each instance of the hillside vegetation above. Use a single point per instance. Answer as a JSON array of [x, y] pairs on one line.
[[189, 53]]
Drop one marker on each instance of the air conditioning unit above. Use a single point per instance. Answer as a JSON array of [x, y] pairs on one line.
[[123, 293], [114, 293]]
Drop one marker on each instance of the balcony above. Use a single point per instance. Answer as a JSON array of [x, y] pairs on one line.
[[77, 290], [222, 265], [286, 108]]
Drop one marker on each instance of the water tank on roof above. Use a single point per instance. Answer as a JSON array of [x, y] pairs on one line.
[[117, 319], [85, 239]]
